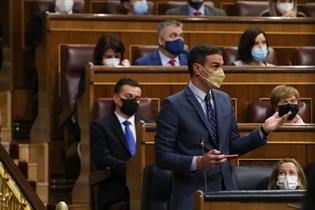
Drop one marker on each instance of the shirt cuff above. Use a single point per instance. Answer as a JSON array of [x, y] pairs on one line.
[[193, 166]]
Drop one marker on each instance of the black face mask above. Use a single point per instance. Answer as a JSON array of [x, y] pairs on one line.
[[283, 109], [129, 106]]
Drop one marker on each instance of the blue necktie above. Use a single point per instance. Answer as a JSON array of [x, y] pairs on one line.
[[211, 117], [129, 137]]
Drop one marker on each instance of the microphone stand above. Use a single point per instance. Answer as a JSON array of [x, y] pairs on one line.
[[204, 168]]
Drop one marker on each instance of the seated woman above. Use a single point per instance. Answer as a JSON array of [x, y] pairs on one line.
[[287, 174], [109, 51], [253, 48], [282, 8], [285, 98]]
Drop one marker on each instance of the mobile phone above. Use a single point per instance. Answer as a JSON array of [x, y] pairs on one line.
[[232, 156]]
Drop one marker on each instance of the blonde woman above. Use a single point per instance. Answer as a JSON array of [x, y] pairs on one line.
[[287, 174], [282, 8]]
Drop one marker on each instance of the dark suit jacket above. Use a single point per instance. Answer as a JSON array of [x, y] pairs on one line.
[[109, 149], [183, 10], [36, 27], [154, 59], [181, 125]]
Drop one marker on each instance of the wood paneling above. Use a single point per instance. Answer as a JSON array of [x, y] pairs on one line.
[[86, 29], [243, 84], [5, 116], [217, 3], [258, 200]]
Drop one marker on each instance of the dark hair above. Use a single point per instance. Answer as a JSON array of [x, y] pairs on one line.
[[199, 53], [122, 1], [247, 42], [104, 43], [125, 81]]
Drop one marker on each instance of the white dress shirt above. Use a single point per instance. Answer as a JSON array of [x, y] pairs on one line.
[[132, 125], [165, 60]]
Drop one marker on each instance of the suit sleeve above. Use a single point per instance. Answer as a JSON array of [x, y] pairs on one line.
[[137, 62], [168, 127], [100, 152], [241, 145]]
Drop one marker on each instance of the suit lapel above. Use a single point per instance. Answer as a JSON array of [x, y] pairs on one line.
[[207, 11], [194, 102], [186, 9], [182, 59], [116, 128], [157, 58]]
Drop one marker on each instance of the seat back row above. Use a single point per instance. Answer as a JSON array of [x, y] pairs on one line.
[[239, 8]]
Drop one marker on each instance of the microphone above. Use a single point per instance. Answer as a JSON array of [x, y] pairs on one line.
[[204, 168]]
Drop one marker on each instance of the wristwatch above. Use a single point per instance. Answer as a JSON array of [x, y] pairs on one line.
[[263, 131]]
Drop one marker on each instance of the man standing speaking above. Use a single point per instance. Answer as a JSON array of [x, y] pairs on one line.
[[201, 118]]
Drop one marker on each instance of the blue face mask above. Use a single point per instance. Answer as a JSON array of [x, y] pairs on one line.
[[140, 7], [259, 54], [175, 47]]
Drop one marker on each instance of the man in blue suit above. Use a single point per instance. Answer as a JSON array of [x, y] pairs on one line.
[[196, 8], [201, 118], [171, 47]]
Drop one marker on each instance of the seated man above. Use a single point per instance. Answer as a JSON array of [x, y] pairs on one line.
[[171, 47], [113, 142], [196, 8], [135, 7]]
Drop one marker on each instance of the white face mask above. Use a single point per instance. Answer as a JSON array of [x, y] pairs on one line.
[[287, 182], [284, 7], [111, 61], [64, 6]]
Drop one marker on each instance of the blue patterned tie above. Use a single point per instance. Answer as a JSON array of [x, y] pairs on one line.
[[129, 137], [211, 117]]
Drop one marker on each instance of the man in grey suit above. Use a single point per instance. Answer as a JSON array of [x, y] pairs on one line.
[[196, 8], [196, 129]]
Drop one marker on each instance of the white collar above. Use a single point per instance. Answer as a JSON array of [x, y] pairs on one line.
[[192, 10], [165, 60], [121, 119]]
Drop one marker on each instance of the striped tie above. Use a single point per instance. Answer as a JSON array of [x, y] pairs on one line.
[[211, 117]]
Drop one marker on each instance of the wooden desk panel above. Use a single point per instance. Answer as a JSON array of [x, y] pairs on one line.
[[217, 3], [159, 82], [249, 200], [86, 29], [244, 86]]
